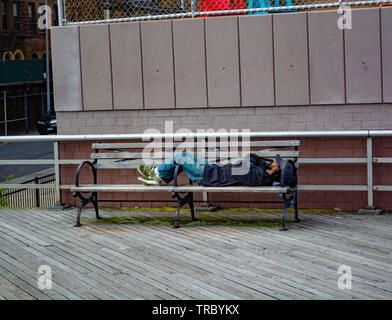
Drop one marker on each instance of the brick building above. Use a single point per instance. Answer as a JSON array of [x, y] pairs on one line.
[[20, 37]]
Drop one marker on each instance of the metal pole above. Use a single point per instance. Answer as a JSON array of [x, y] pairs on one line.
[[37, 193], [5, 112], [60, 11], [26, 112], [57, 170], [369, 149], [48, 23]]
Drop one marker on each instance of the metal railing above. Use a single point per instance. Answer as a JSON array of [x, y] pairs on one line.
[[21, 105], [370, 160], [29, 198], [100, 11]]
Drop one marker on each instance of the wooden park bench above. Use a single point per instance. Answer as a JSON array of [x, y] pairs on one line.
[[129, 156]]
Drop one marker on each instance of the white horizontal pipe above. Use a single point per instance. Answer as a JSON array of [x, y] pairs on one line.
[[332, 160], [304, 187], [382, 160], [27, 186], [148, 137], [300, 187]]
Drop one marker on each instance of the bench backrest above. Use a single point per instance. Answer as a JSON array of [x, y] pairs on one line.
[[130, 154]]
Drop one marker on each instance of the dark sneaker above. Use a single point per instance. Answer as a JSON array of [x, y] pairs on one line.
[[145, 171], [150, 181]]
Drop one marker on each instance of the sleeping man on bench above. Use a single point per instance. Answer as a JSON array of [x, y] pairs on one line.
[[258, 171]]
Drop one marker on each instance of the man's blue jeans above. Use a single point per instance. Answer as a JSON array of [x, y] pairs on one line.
[[192, 164]]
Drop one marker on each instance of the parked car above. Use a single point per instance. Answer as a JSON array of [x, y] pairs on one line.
[[47, 124]]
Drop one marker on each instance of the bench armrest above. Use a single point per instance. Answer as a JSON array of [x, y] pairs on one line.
[[94, 170]]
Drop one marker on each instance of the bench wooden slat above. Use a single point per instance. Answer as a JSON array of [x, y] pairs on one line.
[[221, 154], [180, 188], [141, 145]]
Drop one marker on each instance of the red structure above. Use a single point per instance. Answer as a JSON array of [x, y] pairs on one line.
[[220, 5]]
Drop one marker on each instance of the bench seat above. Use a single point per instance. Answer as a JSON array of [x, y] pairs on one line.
[[128, 155], [179, 188]]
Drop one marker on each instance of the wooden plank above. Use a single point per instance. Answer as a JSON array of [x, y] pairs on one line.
[[126, 268], [21, 283], [213, 266], [57, 261], [31, 264], [244, 262], [170, 188], [97, 267], [213, 154], [278, 253], [132, 241], [9, 291], [205, 274], [212, 254], [217, 240], [135, 145]]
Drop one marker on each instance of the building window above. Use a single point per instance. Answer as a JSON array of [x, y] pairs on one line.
[[4, 15], [18, 55], [15, 11], [55, 15], [7, 56], [31, 13]]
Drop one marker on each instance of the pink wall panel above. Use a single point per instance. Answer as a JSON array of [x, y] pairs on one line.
[[66, 69], [222, 62], [363, 60], [291, 59], [326, 58], [386, 38], [126, 66], [256, 53], [158, 70], [96, 69], [190, 63]]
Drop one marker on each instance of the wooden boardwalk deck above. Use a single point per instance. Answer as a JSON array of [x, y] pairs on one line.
[[121, 261]]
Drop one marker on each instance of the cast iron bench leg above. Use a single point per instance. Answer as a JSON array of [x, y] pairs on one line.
[[191, 206], [286, 203], [83, 202], [176, 225], [296, 207], [95, 203]]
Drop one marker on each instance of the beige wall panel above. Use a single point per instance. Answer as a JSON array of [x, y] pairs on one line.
[[326, 58], [291, 59], [190, 63], [256, 60], [96, 70], [386, 38], [223, 62], [363, 62], [158, 71], [66, 69], [126, 66]]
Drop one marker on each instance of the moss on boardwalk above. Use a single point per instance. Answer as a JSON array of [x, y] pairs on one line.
[[236, 217]]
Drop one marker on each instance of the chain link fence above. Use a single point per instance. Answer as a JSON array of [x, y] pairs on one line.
[[95, 11]]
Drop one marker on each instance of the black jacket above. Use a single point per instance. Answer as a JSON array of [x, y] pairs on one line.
[[222, 176]]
